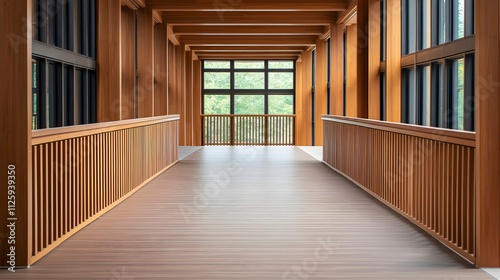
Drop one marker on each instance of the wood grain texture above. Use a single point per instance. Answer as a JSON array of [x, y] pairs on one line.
[[79, 178], [127, 104], [247, 213], [320, 90], [393, 61], [488, 132], [108, 60], [161, 70], [427, 179], [197, 109], [303, 100], [373, 67], [351, 71], [362, 47], [249, 5], [145, 62], [337, 73], [15, 129]]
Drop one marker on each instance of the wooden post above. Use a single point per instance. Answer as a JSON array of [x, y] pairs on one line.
[[145, 62], [488, 133], [337, 66], [374, 60], [15, 133], [393, 60], [321, 90]]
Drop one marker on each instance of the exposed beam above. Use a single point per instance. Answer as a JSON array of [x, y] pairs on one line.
[[171, 36], [248, 40], [249, 18], [249, 48], [249, 54], [248, 30], [249, 5]]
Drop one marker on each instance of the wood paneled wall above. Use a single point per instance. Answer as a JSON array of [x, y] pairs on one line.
[[197, 103], [108, 60], [81, 172], [177, 86], [161, 70], [188, 92], [352, 71], [303, 102], [127, 104], [145, 62], [320, 90], [488, 132], [362, 44], [373, 78], [425, 174], [15, 128], [337, 66]]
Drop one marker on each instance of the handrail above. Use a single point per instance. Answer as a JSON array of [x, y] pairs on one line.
[[464, 138], [248, 115], [48, 135]]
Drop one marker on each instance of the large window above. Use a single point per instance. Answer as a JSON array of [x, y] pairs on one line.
[[64, 66], [248, 87]]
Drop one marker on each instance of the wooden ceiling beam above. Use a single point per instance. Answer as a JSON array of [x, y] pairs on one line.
[[248, 5], [248, 40], [249, 18], [248, 30], [247, 56], [249, 48]]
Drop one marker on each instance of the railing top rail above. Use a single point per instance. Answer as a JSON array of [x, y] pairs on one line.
[[465, 138], [246, 115], [62, 133]]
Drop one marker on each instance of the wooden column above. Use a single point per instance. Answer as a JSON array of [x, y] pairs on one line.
[[188, 92], [145, 62], [488, 133], [362, 44], [108, 60], [374, 60], [197, 125], [127, 100], [393, 60], [15, 130], [303, 131], [161, 70], [337, 69], [352, 71], [321, 90]]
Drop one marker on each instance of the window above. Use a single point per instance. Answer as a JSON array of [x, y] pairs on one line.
[[64, 51], [408, 26], [383, 29], [383, 97], [248, 87]]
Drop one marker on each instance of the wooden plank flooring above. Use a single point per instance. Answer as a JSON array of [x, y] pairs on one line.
[[250, 213]]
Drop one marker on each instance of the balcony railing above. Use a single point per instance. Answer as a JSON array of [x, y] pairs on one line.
[[81, 172], [426, 174], [254, 130]]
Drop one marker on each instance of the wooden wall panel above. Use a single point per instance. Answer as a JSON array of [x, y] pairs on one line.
[[176, 86], [15, 127], [188, 93], [145, 62], [374, 60], [303, 100], [488, 132], [161, 70], [337, 69], [108, 60], [351, 69], [197, 101], [127, 104], [321, 90], [393, 61]]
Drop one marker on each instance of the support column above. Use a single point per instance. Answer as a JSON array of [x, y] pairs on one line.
[[393, 60], [321, 90], [145, 62], [374, 60], [487, 133], [337, 66]]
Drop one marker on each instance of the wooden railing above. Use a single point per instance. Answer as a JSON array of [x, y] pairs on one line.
[[425, 174], [228, 130], [81, 172]]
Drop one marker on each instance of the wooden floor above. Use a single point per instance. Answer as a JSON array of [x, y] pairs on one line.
[[250, 213]]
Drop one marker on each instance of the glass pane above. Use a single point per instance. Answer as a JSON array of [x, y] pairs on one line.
[[211, 64], [281, 64], [217, 80], [216, 104], [426, 95], [249, 104], [458, 95], [249, 80], [443, 26], [281, 104], [249, 64], [459, 19], [426, 32], [280, 80]]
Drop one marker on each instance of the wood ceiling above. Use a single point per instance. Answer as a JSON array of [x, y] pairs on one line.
[[248, 28]]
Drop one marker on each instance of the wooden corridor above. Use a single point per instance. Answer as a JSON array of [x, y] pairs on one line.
[[250, 213]]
